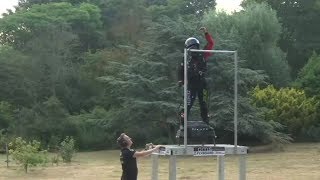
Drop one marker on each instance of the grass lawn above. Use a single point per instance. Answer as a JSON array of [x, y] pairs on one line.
[[298, 162]]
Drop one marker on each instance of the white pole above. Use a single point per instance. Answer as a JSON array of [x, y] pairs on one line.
[[242, 167], [221, 167], [185, 99], [235, 101], [214, 51], [172, 168], [155, 166]]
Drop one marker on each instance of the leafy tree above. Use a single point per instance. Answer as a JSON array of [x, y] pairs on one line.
[[174, 8], [94, 130], [83, 19], [299, 37], [43, 121], [123, 21], [259, 24], [13, 72], [254, 33], [6, 115], [308, 78], [27, 153]]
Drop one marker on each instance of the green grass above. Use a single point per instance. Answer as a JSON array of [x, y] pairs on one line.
[[298, 162]]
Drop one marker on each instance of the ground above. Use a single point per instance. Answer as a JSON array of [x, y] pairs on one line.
[[298, 162]]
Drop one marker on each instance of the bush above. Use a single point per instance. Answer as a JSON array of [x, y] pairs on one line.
[[27, 153], [288, 106], [67, 149]]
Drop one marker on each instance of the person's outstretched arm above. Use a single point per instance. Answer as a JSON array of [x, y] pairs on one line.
[[210, 43], [146, 152]]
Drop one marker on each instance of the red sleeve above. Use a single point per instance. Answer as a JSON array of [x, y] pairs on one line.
[[209, 46]]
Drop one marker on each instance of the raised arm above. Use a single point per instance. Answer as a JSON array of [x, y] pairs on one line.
[[210, 43]]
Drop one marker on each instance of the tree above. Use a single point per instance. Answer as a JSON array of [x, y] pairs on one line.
[[259, 24], [254, 33], [27, 153], [44, 121], [147, 91], [15, 87], [6, 115], [308, 78], [299, 37], [83, 20], [176, 8], [123, 21]]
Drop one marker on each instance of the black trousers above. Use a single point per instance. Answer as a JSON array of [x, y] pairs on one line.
[[197, 88]]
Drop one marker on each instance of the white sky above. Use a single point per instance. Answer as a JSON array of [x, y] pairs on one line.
[[227, 5], [7, 4]]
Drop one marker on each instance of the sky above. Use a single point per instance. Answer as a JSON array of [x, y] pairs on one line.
[[227, 5]]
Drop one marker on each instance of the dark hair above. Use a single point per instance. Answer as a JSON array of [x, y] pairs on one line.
[[122, 141]]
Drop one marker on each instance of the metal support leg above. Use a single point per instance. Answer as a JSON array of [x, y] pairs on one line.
[[172, 168], [242, 167], [155, 166], [220, 167]]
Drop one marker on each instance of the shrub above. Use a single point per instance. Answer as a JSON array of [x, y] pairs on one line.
[[67, 149], [288, 106], [27, 153]]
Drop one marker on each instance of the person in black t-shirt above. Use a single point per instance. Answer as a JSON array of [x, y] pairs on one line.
[[128, 157]]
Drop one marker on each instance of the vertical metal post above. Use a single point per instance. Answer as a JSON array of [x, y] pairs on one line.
[[185, 99], [242, 167], [155, 166], [235, 101], [172, 168], [220, 166]]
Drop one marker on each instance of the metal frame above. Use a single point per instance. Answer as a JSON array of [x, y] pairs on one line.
[[174, 150], [235, 53]]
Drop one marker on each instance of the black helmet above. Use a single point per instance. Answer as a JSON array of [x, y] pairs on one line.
[[192, 42]]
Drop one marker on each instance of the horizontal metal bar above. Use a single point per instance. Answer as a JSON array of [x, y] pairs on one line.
[[216, 51]]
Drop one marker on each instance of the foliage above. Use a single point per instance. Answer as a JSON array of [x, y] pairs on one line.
[[6, 115], [92, 69], [299, 37], [308, 78], [94, 129], [67, 149], [288, 106], [83, 19], [254, 32], [27, 153]]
